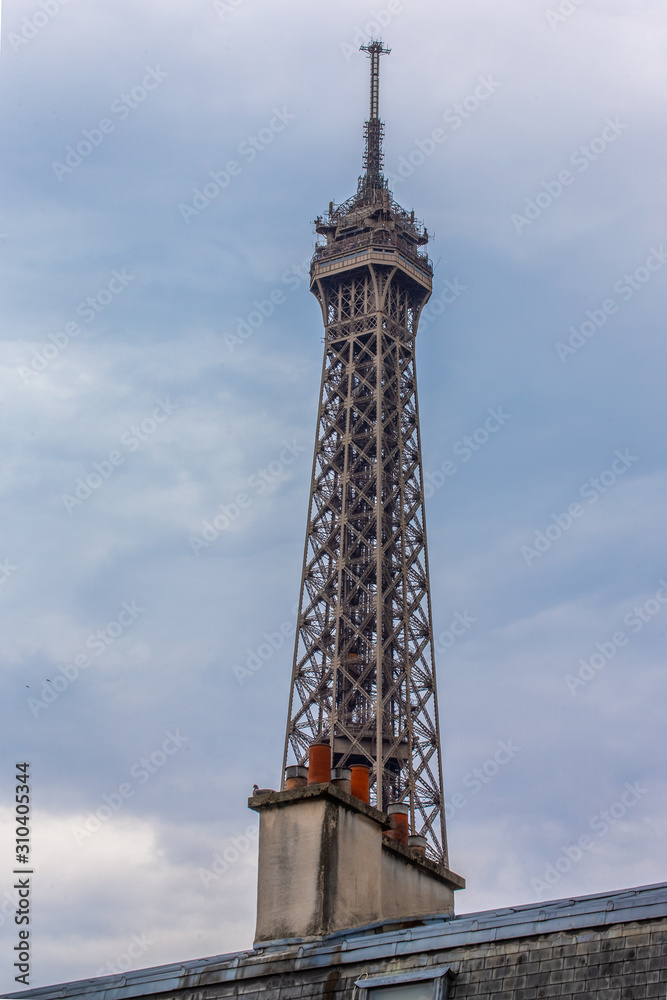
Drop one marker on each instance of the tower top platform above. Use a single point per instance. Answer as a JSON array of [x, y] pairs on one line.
[[371, 217]]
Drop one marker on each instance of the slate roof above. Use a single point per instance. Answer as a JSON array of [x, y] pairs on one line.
[[374, 943]]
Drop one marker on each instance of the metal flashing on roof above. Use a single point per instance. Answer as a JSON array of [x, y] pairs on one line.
[[397, 978], [440, 974]]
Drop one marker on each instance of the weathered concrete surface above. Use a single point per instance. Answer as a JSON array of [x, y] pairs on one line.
[[319, 870], [409, 888], [324, 867]]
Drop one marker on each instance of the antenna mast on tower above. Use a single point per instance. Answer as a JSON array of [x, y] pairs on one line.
[[374, 128]]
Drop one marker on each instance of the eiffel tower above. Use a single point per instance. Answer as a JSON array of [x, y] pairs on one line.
[[363, 676]]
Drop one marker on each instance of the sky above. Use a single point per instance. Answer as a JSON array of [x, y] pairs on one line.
[[160, 354]]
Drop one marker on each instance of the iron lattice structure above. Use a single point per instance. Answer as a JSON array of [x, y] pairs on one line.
[[363, 675]]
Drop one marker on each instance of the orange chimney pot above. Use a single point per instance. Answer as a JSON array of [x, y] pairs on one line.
[[319, 764], [360, 782]]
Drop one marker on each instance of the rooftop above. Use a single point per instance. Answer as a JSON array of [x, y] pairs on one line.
[[375, 943]]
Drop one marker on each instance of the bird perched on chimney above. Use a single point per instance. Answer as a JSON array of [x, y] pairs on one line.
[[256, 790]]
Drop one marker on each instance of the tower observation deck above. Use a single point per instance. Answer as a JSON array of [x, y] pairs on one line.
[[363, 677]]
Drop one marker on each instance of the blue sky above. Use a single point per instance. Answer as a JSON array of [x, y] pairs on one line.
[[161, 354]]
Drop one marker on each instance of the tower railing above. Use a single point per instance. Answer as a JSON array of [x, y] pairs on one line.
[[375, 239]]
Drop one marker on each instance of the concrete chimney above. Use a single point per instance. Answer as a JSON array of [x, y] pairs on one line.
[[325, 866]]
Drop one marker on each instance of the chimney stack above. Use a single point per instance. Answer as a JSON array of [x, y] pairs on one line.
[[324, 864]]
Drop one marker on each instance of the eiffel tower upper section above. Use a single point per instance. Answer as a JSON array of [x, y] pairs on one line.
[[363, 677]]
